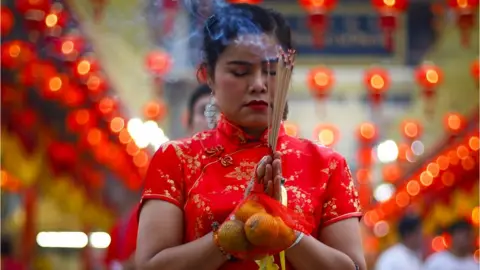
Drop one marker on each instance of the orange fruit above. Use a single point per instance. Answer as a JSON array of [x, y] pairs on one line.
[[286, 235], [261, 229], [231, 236], [248, 209]]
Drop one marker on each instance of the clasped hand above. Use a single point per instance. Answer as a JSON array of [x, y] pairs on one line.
[[269, 173]]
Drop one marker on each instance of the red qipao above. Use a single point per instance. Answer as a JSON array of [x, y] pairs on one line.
[[206, 177]]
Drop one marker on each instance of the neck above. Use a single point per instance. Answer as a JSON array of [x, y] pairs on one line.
[[254, 132]]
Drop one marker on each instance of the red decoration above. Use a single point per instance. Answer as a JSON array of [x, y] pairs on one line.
[[35, 72], [56, 20], [465, 11], [367, 133], [69, 46], [429, 77], [326, 134], [320, 81], [25, 123], [85, 66], [7, 20], [96, 84], [81, 120], [16, 53], [155, 110], [475, 70], [158, 63], [454, 122], [389, 10], [34, 13], [73, 96], [63, 157], [411, 129], [377, 81], [317, 19]]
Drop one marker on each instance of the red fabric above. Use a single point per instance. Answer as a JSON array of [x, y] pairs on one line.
[[206, 176], [111, 254]]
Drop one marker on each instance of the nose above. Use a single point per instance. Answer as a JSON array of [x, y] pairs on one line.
[[258, 82]]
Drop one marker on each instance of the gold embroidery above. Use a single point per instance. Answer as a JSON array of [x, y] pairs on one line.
[[330, 207], [245, 171]]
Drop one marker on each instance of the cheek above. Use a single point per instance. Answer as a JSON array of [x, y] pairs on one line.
[[230, 89]]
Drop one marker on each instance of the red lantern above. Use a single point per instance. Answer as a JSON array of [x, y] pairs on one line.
[[377, 81], [158, 63], [389, 10], [317, 19], [96, 84], [34, 13], [7, 20], [56, 19], [54, 85], [73, 96], [63, 157], [85, 66], [35, 72], [465, 12], [454, 122], [367, 133], [81, 120], [326, 134], [475, 71], [429, 77], [69, 46], [155, 110], [320, 81], [411, 129], [16, 53], [24, 123]]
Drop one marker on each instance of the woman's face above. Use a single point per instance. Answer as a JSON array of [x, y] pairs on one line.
[[244, 80]]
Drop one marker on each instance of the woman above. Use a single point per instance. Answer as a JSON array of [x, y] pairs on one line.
[[194, 183]]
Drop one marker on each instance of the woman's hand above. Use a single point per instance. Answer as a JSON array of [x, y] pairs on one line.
[[269, 173]]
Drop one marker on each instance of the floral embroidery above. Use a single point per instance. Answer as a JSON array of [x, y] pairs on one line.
[[243, 172]]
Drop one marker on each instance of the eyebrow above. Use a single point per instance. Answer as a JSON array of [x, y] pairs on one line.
[[246, 63]]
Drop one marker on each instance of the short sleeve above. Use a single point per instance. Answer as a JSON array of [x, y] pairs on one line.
[[341, 198], [164, 180]]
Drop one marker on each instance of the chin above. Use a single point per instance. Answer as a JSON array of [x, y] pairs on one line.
[[255, 122]]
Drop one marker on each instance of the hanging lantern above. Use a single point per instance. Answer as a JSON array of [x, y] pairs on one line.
[[317, 18], [55, 20], [291, 129], [34, 13], [53, 86], [389, 11], [85, 66], [96, 84], [73, 96], [158, 63], [155, 110], [377, 81], [454, 122], [465, 11], [81, 120], [69, 46], [63, 157], [411, 129], [429, 77], [7, 20], [475, 71], [326, 134], [16, 53], [367, 133], [320, 82]]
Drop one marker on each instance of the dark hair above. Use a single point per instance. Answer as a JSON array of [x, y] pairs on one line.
[[233, 20], [201, 91], [459, 225], [230, 21], [408, 225]]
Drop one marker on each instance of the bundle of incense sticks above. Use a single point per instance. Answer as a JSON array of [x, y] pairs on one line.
[[283, 76]]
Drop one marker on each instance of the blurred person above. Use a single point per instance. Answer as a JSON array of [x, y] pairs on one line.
[[459, 256], [120, 253], [9, 262], [193, 185], [407, 253]]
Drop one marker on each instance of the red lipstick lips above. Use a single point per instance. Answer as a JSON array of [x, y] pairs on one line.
[[257, 105]]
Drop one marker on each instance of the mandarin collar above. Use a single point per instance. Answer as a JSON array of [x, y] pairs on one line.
[[237, 136]]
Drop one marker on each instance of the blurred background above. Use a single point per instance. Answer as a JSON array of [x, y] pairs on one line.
[[91, 88]]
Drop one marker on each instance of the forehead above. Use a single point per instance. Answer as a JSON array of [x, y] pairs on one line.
[[251, 48]]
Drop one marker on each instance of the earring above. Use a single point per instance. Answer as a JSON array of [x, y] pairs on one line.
[[211, 113]]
